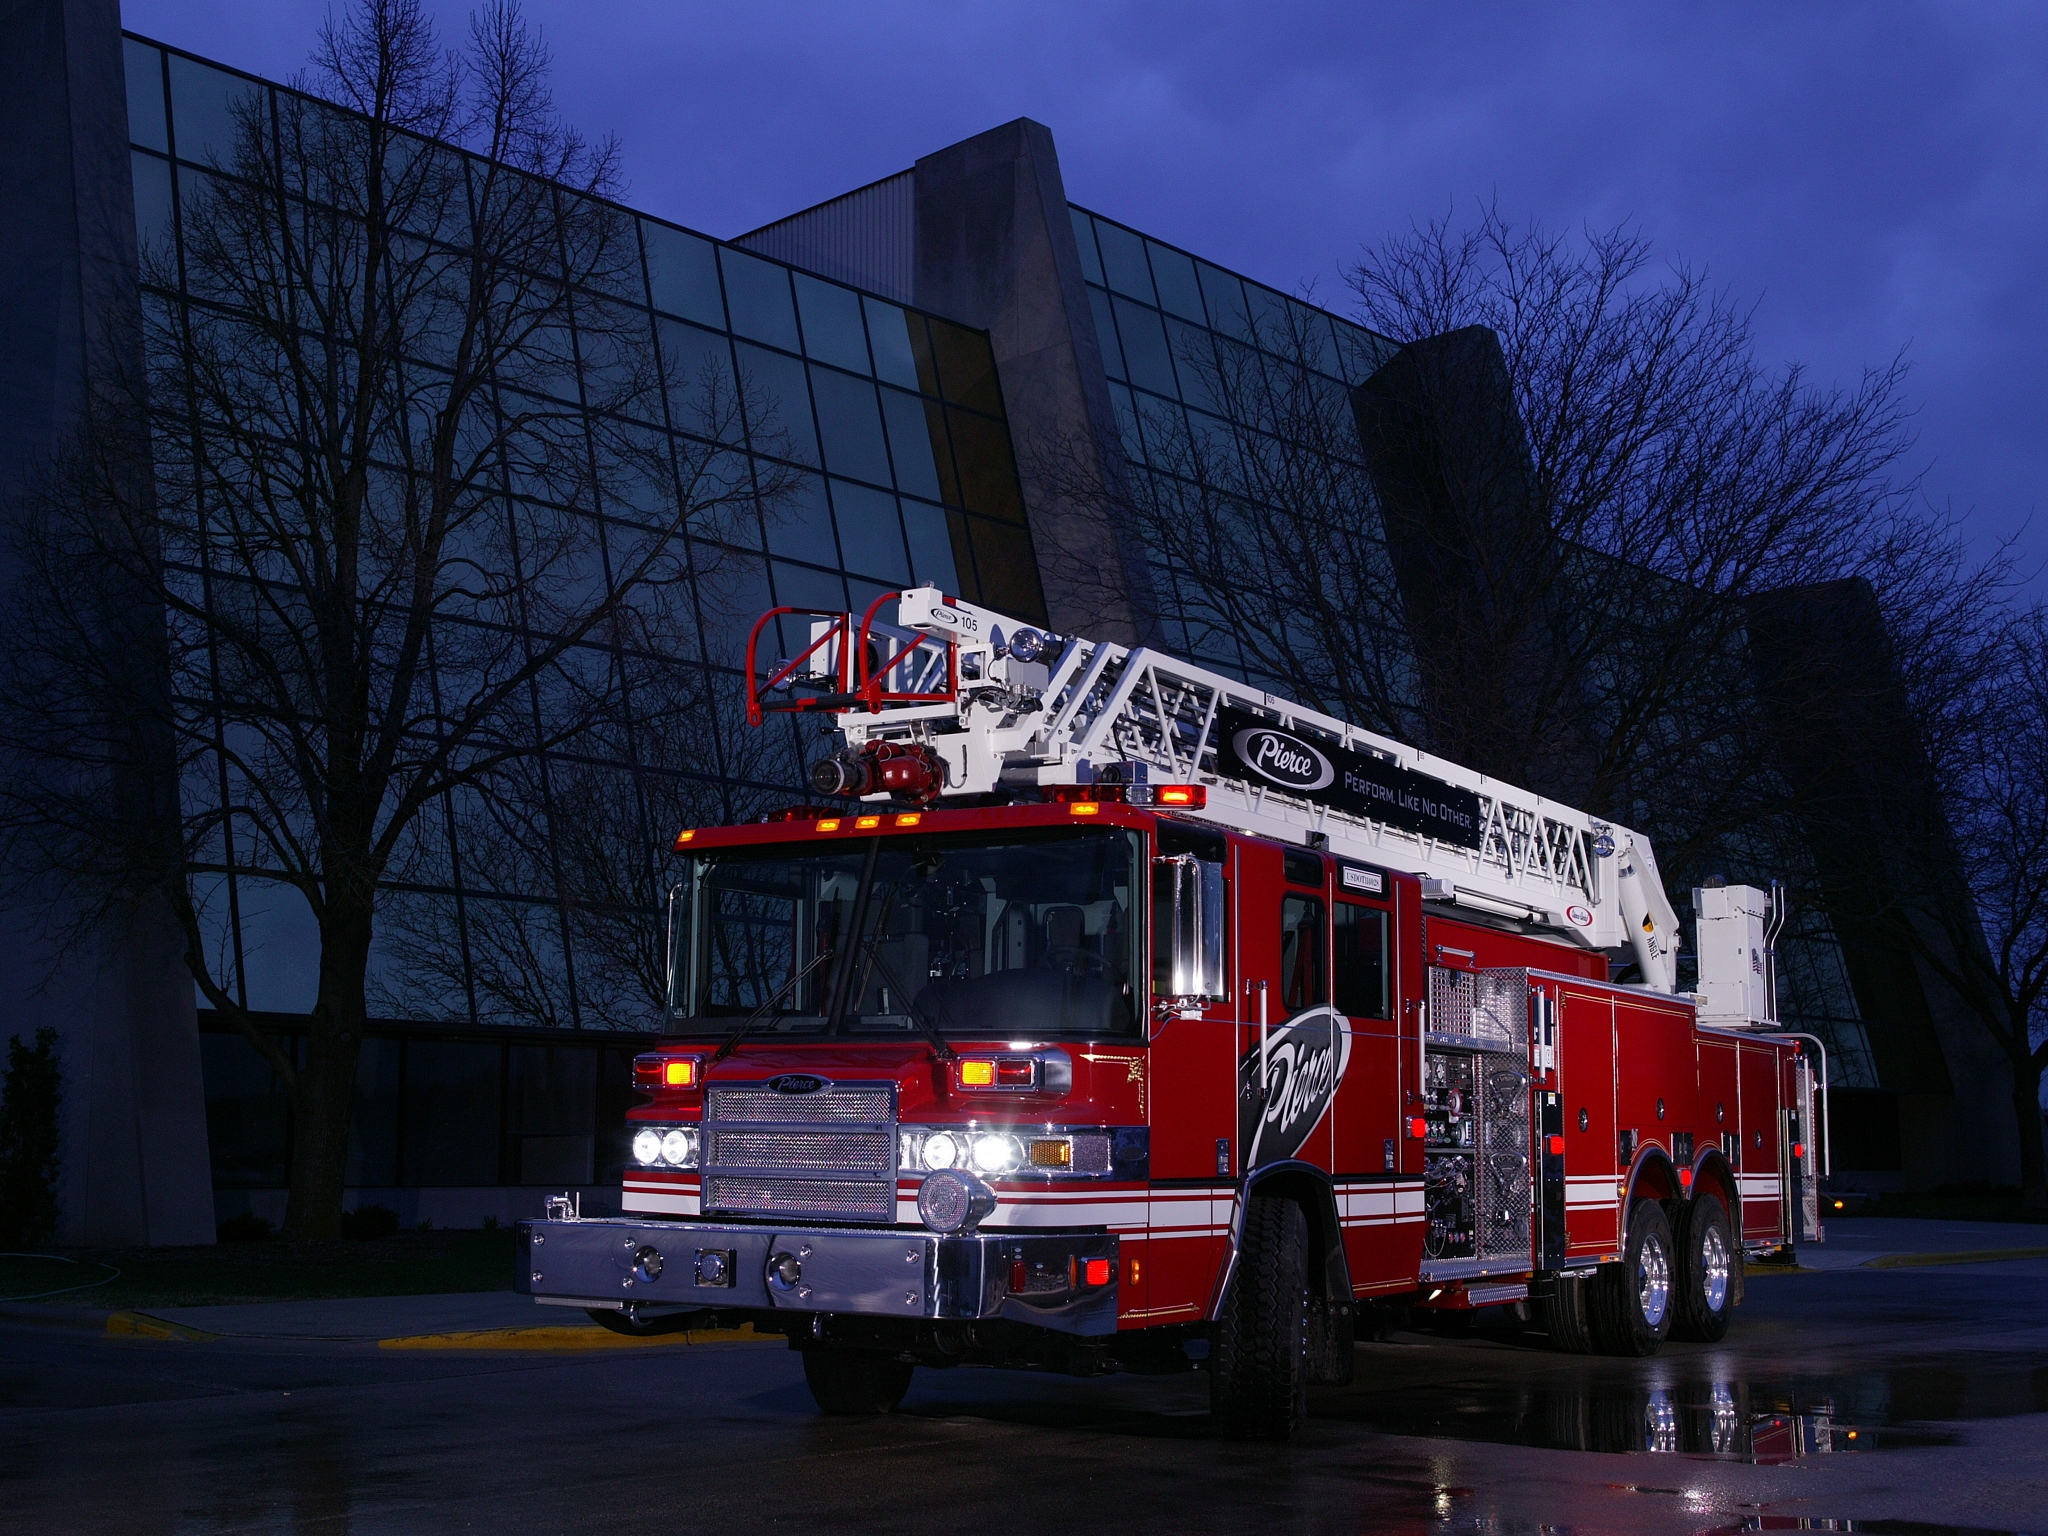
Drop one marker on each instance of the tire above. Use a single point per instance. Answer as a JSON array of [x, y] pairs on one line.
[[1633, 1301], [1709, 1271], [848, 1383], [1259, 1357], [644, 1327], [1566, 1315]]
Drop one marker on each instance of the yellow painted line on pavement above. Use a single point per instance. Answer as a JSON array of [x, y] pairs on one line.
[[574, 1338], [1978, 1256], [140, 1325]]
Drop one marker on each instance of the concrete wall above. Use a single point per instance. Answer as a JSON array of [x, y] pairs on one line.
[[133, 1117]]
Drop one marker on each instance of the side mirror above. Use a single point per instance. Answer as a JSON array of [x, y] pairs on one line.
[[1187, 929]]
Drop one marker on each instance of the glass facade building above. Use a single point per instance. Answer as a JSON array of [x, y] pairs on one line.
[[907, 359]]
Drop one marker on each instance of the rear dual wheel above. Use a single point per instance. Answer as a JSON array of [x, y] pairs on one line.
[[1632, 1303], [1709, 1270]]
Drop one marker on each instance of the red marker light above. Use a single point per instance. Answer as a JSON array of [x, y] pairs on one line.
[[1557, 1146], [1018, 1276], [1193, 796], [1685, 1178], [1418, 1128], [1016, 1072], [1096, 1272], [1799, 1149]]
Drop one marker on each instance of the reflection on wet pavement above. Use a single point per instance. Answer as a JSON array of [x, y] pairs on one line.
[[1873, 1527], [1767, 1419]]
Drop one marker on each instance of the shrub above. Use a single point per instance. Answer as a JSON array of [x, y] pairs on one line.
[[28, 1141], [368, 1222], [245, 1228]]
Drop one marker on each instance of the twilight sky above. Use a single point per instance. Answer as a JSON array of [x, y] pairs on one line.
[[1872, 177]]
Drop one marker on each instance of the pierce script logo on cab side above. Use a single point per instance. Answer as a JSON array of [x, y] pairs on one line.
[[1305, 1061]]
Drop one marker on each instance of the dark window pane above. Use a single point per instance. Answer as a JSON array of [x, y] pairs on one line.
[[145, 69], [451, 1112], [870, 536], [1084, 237], [832, 329], [204, 104], [935, 431], [152, 206], [1105, 333], [1194, 361], [798, 586], [921, 354], [1145, 348], [1127, 422], [1302, 971], [1179, 291], [1007, 569], [988, 475], [373, 1117], [248, 1117], [1358, 957], [551, 1114], [1123, 261], [889, 333], [778, 405], [931, 547], [1224, 295], [910, 444], [850, 426], [758, 293], [802, 525], [967, 368], [280, 946], [698, 366], [682, 274]]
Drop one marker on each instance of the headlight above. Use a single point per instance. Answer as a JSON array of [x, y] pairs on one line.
[[951, 1201], [941, 1151], [996, 1153], [647, 1147], [679, 1148]]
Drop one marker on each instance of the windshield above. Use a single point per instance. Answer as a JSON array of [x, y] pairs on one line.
[[1018, 935]]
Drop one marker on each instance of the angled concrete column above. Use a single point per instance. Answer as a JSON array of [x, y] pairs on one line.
[[995, 248], [133, 1116]]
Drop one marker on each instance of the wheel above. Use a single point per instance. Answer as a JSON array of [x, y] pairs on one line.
[[1709, 1271], [1632, 1300], [1566, 1315], [845, 1381], [643, 1327], [1259, 1357]]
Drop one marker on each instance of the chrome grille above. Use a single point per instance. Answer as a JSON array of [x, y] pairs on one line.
[[803, 1197], [803, 1151], [828, 1155], [863, 1104]]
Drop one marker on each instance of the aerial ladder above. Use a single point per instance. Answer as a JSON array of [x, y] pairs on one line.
[[954, 700]]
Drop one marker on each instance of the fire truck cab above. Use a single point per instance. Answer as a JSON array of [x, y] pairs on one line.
[[1106, 1014]]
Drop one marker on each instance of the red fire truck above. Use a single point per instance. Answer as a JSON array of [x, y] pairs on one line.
[[1110, 1014]]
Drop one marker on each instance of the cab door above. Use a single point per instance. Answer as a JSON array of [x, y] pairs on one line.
[[1366, 1166]]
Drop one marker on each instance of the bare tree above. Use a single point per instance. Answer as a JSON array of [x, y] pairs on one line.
[[1978, 914], [382, 519], [1531, 538]]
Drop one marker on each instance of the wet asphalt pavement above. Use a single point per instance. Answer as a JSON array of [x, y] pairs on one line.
[[1915, 1394]]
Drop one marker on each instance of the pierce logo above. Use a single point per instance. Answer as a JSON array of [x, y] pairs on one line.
[[1286, 760], [1579, 917], [1305, 1061], [796, 1082]]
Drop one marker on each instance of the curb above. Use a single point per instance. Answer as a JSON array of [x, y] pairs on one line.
[[140, 1325], [574, 1338], [1978, 1256]]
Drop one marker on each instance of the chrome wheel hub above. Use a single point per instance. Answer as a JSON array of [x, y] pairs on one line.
[[1653, 1281], [1714, 1268]]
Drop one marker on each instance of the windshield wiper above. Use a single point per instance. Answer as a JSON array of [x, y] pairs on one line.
[[941, 1050], [731, 1041]]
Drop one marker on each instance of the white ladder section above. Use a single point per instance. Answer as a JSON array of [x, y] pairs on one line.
[[1101, 712]]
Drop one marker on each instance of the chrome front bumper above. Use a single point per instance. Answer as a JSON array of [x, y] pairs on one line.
[[861, 1271]]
